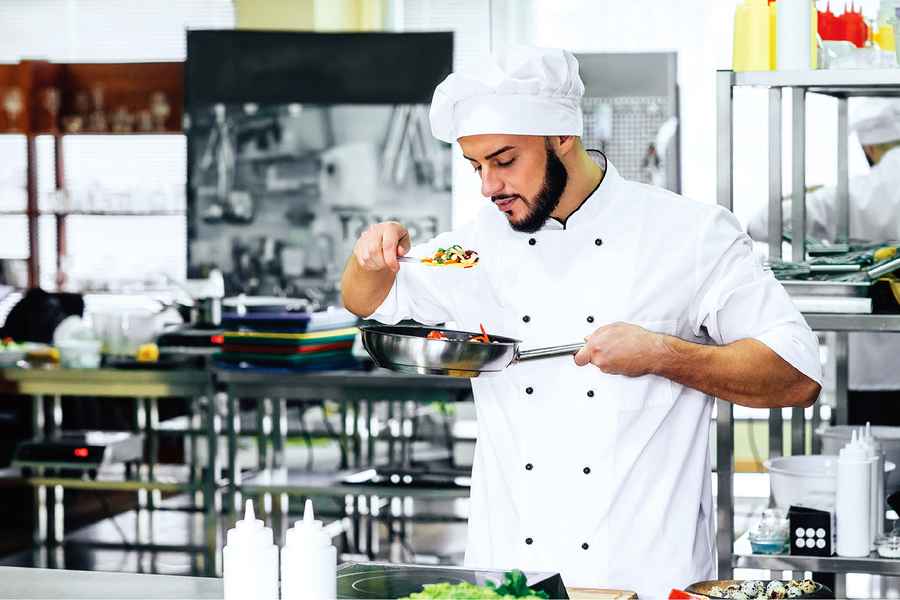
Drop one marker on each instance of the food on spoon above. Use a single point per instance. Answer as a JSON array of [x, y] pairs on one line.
[[454, 256]]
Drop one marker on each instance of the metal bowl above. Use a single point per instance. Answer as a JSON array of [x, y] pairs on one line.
[[407, 349], [702, 588]]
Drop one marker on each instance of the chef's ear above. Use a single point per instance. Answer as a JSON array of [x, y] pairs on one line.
[[565, 144]]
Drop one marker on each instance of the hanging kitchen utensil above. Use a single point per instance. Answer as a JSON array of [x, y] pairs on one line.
[[407, 349]]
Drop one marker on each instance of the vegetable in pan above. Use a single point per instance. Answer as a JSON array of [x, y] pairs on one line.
[[481, 339], [454, 256], [514, 585]]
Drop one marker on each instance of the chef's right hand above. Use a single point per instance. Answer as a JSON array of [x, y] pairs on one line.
[[379, 246]]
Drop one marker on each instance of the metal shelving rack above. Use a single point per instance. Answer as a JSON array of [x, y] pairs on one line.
[[841, 85]]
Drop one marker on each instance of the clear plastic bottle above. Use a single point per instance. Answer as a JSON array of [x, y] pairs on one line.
[[876, 461], [308, 561], [853, 504], [250, 560]]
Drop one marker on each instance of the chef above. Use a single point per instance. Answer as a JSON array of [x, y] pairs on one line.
[[874, 205], [597, 466]]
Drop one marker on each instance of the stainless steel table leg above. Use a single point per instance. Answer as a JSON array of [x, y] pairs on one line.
[[210, 495], [840, 585], [234, 472], [391, 436], [263, 430], [196, 469], [56, 417], [57, 513], [140, 428], [40, 524], [40, 536], [279, 431], [357, 445], [345, 459], [798, 431], [370, 432], [153, 448], [725, 497], [841, 377]]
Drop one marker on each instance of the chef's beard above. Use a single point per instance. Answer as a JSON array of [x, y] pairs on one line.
[[546, 200]]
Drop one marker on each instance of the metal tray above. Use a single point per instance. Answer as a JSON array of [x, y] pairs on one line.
[[853, 289]]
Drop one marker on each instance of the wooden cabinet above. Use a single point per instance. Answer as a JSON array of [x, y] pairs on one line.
[[62, 99]]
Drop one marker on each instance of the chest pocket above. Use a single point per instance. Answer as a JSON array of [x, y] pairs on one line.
[[649, 391]]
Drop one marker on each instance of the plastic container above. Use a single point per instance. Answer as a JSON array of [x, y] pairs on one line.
[[250, 560], [877, 495], [897, 33], [835, 438], [771, 535], [79, 354], [794, 22], [853, 504], [752, 36], [888, 546], [308, 561]]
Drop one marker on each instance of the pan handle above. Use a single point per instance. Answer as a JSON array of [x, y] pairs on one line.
[[548, 352]]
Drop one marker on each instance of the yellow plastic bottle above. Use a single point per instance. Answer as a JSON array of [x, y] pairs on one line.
[[884, 37], [752, 45], [773, 37], [814, 36]]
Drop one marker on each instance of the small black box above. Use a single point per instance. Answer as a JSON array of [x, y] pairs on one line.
[[812, 531]]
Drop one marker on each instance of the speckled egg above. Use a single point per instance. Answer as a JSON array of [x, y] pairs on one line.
[[794, 592], [807, 586], [776, 589], [752, 588], [717, 592], [739, 595]]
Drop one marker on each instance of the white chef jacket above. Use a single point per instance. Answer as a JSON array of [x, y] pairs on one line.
[[874, 205], [602, 478]]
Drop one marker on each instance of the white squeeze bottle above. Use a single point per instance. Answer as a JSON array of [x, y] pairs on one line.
[[250, 560], [876, 462], [308, 561], [854, 489]]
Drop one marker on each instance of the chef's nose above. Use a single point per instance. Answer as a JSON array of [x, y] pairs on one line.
[[491, 185]]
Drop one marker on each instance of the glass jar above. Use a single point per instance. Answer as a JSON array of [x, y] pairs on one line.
[[771, 534]]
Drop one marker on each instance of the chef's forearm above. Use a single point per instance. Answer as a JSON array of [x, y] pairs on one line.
[[362, 292], [746, 372]]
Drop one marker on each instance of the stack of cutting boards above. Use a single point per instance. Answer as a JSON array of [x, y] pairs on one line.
[[287, 340]]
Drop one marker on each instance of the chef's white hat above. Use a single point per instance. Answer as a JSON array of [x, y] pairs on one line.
[[535, 91], [877, 121]]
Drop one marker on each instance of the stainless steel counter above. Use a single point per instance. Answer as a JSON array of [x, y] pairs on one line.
[[143, 383], [62, 584]]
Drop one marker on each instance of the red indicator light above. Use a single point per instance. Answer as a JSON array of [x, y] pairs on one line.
[[80, 452], [218, 340]]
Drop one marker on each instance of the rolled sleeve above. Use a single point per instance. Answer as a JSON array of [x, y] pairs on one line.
[[737, 299]]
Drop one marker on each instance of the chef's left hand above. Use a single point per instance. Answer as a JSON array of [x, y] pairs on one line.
[[621, 349]]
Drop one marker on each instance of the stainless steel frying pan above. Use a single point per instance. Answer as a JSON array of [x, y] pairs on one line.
[[407, 350]]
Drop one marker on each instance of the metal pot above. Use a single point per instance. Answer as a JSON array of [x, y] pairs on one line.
[[407, 350]]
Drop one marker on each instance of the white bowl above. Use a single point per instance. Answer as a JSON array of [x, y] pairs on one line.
[[79, 354], [10, 358], [808, 480]]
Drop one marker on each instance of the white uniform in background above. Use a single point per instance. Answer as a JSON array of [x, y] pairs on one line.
[[602, 478], [874, 207]]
